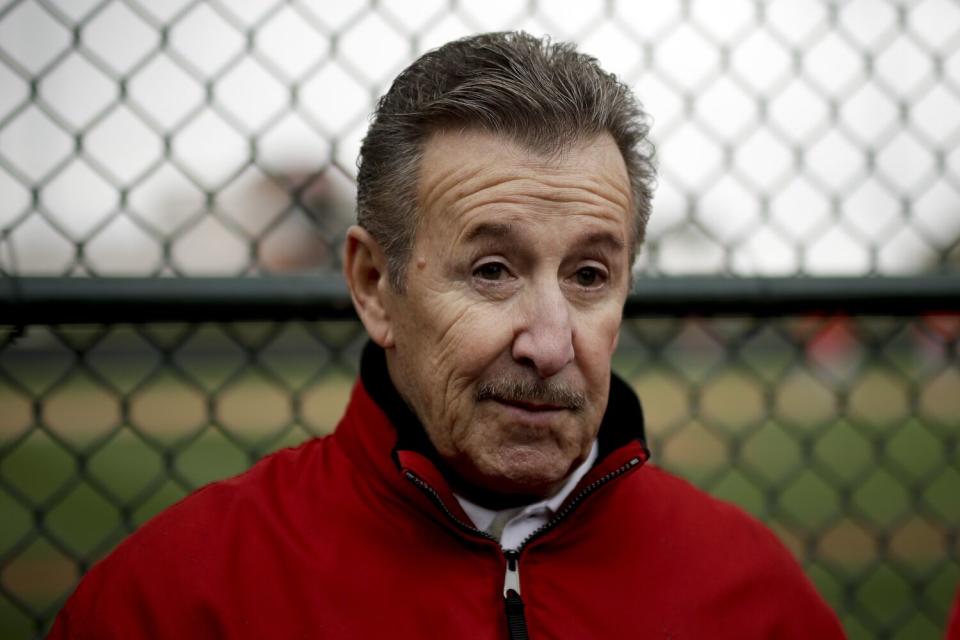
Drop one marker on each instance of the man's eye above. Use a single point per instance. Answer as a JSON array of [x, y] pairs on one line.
[[589, 276], [490, 271]]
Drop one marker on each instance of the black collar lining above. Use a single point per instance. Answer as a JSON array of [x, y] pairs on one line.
[[622, 421]]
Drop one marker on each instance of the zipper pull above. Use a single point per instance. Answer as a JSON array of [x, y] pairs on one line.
[[511, 580], [512, 603]]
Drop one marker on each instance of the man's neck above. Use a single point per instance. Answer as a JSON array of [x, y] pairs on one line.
[[496, 501]]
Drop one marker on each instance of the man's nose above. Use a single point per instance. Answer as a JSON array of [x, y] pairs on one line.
[[544, 340]]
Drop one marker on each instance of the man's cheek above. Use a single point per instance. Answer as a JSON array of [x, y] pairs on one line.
[[473, 340], [595, 341]]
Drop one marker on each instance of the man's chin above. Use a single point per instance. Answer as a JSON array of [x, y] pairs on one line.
[[520, 475]]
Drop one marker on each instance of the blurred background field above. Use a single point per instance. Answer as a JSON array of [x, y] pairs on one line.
[[840, 433]]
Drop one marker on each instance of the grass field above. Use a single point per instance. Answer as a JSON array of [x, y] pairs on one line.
[[870, 505]]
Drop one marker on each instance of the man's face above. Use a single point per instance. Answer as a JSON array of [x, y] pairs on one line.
[[515, 289]]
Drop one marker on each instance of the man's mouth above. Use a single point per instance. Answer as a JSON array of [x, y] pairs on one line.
[[536, 396], [531, 406], [530, 421]]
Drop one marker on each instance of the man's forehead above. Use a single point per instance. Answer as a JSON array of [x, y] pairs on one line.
[[459, 163]]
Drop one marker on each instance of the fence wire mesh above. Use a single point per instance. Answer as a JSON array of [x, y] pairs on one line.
[[208, 137], [839, 432]]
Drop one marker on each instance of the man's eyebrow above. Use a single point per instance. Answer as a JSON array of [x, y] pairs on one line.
[[490, 231], [504, 232], [603, 239]]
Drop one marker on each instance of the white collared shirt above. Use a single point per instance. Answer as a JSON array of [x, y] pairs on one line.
[[513, 526]]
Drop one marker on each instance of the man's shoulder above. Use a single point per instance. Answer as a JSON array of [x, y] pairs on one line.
[[697, 517], [721, 560], [673, 496], [189, 546], [275, 485], [678, 528]]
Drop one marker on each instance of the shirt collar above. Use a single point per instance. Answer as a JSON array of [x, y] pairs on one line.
[[483, 517]]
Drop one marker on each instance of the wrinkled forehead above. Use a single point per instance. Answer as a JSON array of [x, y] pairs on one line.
[[467, 167]]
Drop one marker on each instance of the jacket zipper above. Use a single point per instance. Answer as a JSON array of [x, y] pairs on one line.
[[580, 497], [512, 602], [430, 491]]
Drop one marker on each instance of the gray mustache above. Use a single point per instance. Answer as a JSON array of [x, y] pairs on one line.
[[531, 391]]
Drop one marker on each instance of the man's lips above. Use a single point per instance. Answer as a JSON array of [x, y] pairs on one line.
[[531, 396], [535, 419], [530, 406]]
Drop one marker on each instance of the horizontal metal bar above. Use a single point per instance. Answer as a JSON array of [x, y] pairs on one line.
[[764, 297], [34, 300], [114, 300]]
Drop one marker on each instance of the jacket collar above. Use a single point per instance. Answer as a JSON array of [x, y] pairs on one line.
[[382, 437], [621, 425]]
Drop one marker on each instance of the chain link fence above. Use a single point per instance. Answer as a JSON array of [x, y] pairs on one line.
[[195, 137], [839, 432], [192, 138]]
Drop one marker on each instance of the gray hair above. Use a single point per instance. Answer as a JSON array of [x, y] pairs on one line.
[[543, 95]]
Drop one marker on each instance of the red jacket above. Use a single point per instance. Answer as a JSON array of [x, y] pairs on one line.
[[357, 535], [953, 623]]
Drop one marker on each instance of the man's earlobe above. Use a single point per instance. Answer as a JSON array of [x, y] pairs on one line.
[[365, 269]]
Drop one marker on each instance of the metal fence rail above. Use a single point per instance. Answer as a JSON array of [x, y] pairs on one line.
[[107, 300], [838, 430]]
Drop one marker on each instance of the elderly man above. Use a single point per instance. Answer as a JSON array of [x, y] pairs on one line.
[[489, 477]]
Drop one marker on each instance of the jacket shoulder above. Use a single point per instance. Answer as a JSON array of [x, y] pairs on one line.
[[707, 520], [176, 560], [744, 573]]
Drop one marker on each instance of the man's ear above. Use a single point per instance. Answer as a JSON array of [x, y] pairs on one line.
[[365, 268]]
